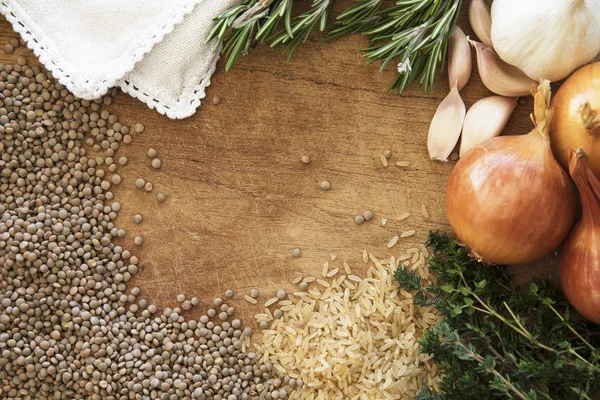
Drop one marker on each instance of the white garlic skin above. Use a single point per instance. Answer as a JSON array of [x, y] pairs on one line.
[[546, 39]]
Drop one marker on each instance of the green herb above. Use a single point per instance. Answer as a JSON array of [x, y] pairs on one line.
[[499, 341], [408, 279], [303, 25], [254, 21], [413, 34]]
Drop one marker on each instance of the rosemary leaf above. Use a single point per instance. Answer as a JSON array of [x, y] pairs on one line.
[[303, 25]]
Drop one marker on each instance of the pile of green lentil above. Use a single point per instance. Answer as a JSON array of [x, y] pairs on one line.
[[69, 326]]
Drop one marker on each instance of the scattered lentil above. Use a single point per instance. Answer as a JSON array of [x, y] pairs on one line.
[[116, 179], [156, 163], [254, 293], [139, 183], [305, 159], [297, 252], [123, 160], [229, 293], [138, 128], [325, 185], [359, 220], [148, 187], [281, 294], [368, 215], [138, 240], [216, 100], [8, 48], [138, 219], [152, 152], [161, 197], [387, 154], [74, 329]]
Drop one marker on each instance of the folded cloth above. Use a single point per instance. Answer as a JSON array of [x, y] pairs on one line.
[[154, 50]]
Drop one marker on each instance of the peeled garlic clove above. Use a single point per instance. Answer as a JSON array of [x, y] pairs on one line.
[[481, 21], [546, 38], [498, 76], [459, 58], [486, 119], [446, 125]]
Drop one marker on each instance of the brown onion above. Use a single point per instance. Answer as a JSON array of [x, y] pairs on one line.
[[576, 121], [580, 255], [508, 199]]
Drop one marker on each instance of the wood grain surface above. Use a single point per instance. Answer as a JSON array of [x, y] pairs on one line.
[[240, 199]]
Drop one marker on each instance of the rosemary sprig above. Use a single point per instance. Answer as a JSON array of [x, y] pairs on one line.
[[303, 25], [498, 341], [414, 34], [258, 21], [235, 29], [356, 19]]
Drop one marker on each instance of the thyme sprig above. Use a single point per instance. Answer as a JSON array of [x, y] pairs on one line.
[[501, 341]]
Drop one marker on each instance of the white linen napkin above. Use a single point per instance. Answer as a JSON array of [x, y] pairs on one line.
[[154, 50]]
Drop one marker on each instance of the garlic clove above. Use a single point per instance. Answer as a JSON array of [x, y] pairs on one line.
[[481, 21], [459, 58], [446, 125], [486, 119], [498, 76]]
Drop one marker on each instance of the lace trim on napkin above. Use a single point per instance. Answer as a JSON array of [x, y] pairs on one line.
[[92, 88], [186, 104]]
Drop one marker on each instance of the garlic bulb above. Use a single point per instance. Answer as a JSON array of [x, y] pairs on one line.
[[546, 39]]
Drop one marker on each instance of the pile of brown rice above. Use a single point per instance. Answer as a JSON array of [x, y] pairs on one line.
[[352, 338]]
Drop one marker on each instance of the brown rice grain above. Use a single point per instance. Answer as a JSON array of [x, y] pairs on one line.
[[250, 299], [384, 160], [393, 242]]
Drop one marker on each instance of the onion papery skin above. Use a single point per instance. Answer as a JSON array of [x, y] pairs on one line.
[[580, 273], [509, 200], [580, 255], [567, 131]]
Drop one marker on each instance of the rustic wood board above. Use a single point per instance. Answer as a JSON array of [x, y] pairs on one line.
[[239, 198]]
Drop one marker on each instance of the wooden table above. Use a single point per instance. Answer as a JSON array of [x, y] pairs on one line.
[[240, 199]]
